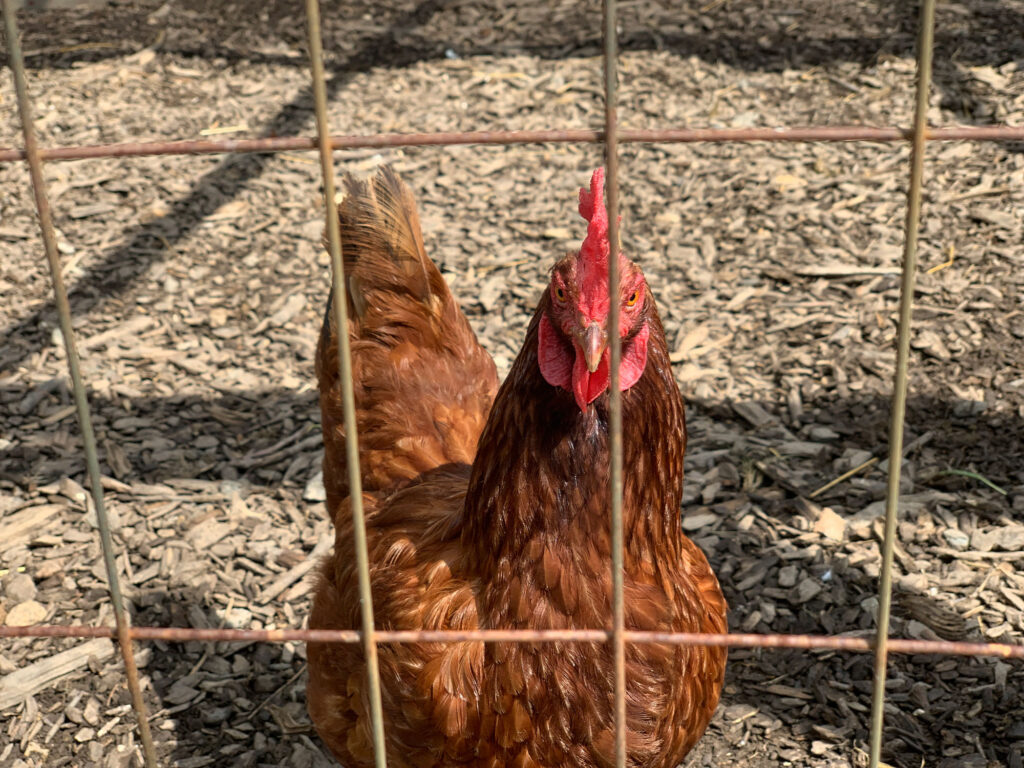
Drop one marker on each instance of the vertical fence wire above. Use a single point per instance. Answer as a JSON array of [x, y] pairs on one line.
[[925, 45], [17, 63], [611, 162], [316, 62]]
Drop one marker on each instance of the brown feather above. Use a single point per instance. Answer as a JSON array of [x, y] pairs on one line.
[[523, 760], [489, 510]]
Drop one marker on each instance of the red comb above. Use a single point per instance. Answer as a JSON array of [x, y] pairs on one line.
[[595, 246]]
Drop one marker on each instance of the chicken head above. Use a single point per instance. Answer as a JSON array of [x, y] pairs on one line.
[[573, 335]]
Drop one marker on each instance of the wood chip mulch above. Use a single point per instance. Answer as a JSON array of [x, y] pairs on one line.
[[197, 286]]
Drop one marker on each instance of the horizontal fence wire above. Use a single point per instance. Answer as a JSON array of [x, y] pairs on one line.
[[733, 640], [575, 136]]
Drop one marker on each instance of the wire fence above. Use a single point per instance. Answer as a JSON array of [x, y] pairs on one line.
[[880, 644]]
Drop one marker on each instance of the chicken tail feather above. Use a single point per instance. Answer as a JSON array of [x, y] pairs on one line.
[[383, 243], [422, 383]]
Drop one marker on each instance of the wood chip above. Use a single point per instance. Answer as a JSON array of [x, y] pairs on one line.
[[43, 673]]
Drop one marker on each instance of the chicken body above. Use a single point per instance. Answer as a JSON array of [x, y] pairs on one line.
[[493, 515]]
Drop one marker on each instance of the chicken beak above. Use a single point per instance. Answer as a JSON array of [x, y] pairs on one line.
[[593, 341]]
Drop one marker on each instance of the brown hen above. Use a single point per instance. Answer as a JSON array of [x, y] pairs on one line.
[[494, 515]]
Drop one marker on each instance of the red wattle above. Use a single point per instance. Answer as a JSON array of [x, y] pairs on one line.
[[552, 356], [563, 365], [586, 386]]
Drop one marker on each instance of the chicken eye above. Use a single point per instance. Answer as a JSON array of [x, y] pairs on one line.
[[633, 297], [560, 293]]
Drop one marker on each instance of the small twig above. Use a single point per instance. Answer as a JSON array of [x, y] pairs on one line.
[[313, 441], [909, 448], [975, 193], [984, 582], [97, 46], [745, 717], [973, 476], [257, 454], [844, 476], [975, 554], [216, 130], [171, 711], [483, 269], [267, 700], [296, 572], [947, 263], [843, 83]]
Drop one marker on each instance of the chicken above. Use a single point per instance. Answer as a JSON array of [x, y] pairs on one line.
[[490, 511]]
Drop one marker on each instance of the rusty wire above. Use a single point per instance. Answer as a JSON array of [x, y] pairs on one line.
[[834, 133], [735, 640], [881, 645], [60, 294]]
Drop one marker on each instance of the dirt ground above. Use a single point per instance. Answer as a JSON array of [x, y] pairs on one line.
[[197, 285]]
